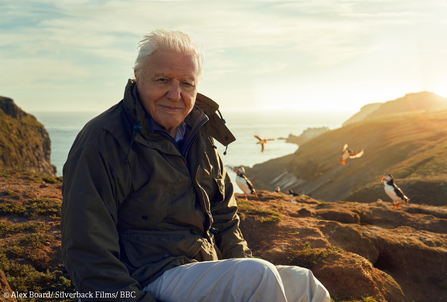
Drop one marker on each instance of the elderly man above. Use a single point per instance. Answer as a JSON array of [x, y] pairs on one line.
[[148, 210]]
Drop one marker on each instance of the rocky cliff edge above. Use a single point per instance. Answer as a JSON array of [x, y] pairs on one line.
[[24, 142], [359, 251]]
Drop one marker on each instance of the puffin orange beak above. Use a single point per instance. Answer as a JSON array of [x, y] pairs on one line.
[[383, 178]]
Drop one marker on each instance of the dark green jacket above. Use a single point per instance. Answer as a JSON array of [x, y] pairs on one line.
[[134, 207]]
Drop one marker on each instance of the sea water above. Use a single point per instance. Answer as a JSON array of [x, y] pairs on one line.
[[277, 125]]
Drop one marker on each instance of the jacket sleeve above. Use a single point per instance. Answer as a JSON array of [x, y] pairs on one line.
[[90, 240], [228, 236]]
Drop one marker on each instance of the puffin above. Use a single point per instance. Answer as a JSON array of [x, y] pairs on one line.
[[393, 191], [244, 183], [345, 153], [291, 193], [263, 141]]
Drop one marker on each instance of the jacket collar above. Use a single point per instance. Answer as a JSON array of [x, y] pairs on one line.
[[215, 126]]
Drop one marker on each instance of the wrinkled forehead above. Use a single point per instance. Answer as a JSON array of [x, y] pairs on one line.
[[172, 64], [179, 57]]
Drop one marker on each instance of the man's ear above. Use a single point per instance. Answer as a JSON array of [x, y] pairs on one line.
[[137, 78]]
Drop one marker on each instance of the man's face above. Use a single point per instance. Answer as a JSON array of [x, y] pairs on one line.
[[168, 87]]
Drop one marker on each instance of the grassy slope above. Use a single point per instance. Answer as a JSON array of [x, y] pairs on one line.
[[409, 146], [23, 141], [30, 234]]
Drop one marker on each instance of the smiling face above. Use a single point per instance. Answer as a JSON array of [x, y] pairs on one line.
[[168, 87]]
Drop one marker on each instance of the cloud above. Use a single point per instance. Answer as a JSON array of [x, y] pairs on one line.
[[71, 42], [268, 68]]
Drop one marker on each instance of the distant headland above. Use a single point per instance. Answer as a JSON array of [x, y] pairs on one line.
[[405, 137], [24, 142]]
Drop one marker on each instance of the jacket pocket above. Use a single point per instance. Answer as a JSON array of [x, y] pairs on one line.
[[144, 209], [144, 249]]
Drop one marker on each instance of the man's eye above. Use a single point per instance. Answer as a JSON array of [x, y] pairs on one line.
[[162, 80], [188, 84]]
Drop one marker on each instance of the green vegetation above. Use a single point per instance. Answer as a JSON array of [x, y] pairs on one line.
[[335, 249], [32, 208], [37, 240], [279, 207], [38, 178], [355, 299], [266, 215], [25, 142], [10, 228], [16, 251], [308, 256], [9, 192], [25, 278], [42, 206], [35, 177], [8, 207], [241, 216], [7, 172], [28, 256]]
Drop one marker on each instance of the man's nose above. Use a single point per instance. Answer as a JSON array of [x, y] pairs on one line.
[[174, 92]]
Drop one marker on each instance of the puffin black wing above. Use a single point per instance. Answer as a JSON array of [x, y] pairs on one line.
[[250, 185], [399, 192]]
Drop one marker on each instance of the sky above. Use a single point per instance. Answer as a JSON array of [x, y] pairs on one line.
[[260, 55]]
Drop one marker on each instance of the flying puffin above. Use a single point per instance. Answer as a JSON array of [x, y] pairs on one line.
[[263, 141], [243, 183], [393, 191], [345, 153], [291, 193]]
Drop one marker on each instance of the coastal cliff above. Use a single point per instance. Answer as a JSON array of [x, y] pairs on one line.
[[364, 112], [306, 136], [360, 251], [24, 142], [412, 102], [408, 144]]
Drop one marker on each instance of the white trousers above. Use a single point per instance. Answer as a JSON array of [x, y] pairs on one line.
[[238, 280]]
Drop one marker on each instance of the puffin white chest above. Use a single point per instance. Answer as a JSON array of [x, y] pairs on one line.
[[389, 190], [345, 155], [242, 184]]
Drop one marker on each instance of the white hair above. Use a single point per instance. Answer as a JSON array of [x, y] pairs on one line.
[[171, 40]]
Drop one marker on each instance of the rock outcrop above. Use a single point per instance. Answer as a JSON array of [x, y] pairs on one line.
[[24, 142], [306, 136], [354, 249]]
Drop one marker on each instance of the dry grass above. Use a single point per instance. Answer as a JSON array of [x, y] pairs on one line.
[[411, 146]]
